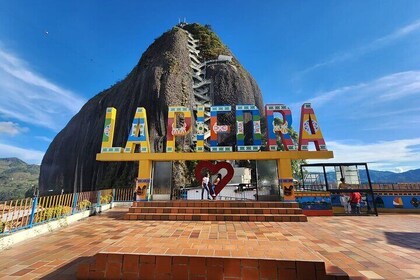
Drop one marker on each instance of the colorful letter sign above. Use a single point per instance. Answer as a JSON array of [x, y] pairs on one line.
[[180, 120], [199, 124], [282, 129], [139, 133], [216, 129], [310, 130], [240, 130], [108, 134], [172, 130]]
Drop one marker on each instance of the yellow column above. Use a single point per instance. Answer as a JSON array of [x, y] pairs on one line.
[[284, 169], [144, 178]]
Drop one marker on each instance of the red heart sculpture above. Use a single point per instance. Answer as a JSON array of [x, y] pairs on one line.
[[214, 169]]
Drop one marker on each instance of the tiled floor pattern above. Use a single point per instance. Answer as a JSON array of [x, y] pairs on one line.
[[384, 247]]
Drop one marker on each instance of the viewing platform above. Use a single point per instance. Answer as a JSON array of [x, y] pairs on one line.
[[106, 245]]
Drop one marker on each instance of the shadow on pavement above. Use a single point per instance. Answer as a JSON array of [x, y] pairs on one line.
[[404, 239], [69, 270]]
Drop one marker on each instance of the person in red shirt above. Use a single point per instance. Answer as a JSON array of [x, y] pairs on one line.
[[355, 199]]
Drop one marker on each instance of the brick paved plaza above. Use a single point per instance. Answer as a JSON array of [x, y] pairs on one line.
[[384, 247]]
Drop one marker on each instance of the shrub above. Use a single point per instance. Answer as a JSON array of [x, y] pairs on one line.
[[85, 204], [210, 44], [49, 212], [105, 199], [61, 211]]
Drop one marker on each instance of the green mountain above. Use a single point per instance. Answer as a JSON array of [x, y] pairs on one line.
[[17, 178], [385, 177], [411, 176]]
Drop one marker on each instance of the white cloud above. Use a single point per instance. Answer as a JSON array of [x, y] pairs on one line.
[[396, 155], [27, 155], [31, 98], [382, 109], [44, 138], [325, 97], [396, 124], [386, 89], [373, 45], [399, 111], [11, 128]]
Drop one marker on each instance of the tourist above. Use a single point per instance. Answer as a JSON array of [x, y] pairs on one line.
[[344, 198], [215, 182], [205, 186], [355, 199], [135, 194]]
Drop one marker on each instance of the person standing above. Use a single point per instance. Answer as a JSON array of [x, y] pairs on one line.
[[355, 199], [205, 186], [215, 183], [344, 198]]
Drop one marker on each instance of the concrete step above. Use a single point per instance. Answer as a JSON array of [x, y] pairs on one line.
[[111, 265], [213, 210], [216, 204], [204, 210], [335, 273], [217, 217]]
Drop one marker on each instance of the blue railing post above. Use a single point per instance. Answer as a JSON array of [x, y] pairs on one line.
[[113, 195], [74, 208], [98, 199], [31, 218]]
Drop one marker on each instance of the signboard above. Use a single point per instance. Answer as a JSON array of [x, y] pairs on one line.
[[180, 123]]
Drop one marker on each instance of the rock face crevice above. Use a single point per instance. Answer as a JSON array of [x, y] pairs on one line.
[[161, 78]]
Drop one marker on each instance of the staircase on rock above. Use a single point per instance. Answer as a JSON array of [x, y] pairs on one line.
[[202, 87], [216, 211]]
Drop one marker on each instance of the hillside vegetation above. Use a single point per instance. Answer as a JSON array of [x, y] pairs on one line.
[[210, 45], [17, 178]]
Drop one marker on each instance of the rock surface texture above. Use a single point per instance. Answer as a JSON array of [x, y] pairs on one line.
[[162, 78]]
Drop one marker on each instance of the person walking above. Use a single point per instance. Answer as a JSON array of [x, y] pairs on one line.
[[205, 186], [215, 183]]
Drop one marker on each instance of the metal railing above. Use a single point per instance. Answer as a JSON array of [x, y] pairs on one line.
[[228, 193], [377, 187], [25, 213], [396, 187], [125, 194], [15, 214]]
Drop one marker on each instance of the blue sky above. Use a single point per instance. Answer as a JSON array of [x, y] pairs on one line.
[[358, 63]]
